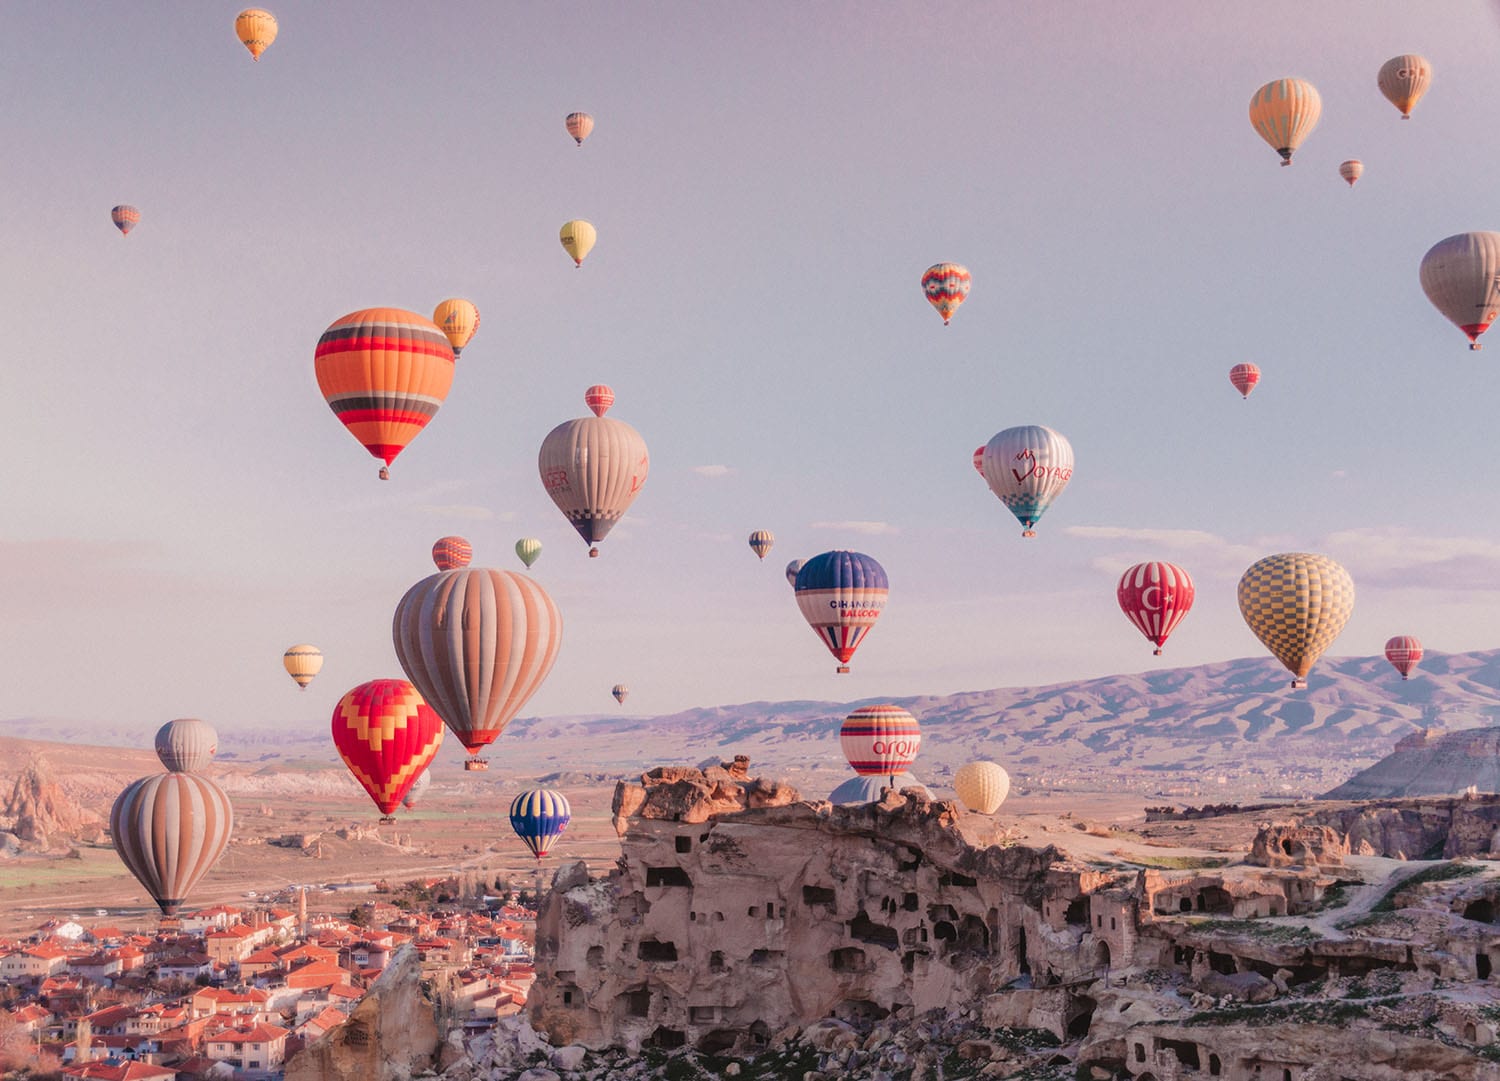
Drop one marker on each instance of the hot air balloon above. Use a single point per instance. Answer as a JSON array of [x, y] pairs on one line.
[[982, 786], [169, 830], [459, 320], [791, 572], [539, 818], [386, 735], [841, 595], [1027, 468], [599, 398], [1244, 377], [1403, 80], [592, 468], [859, 789], [880, 741], [186, 745], [761, 541], [1405, 653], [579, 125], [384, 372], [577, 238], [450, 553], [1352, 170], [477, 643], [418, 788], [528, 549], [1461, 276], [621, 692], [302, 662], [946, 286], [1284, 112], [979, 459], [1296, 603], [256, 29], [1155, 597], [124, 218]]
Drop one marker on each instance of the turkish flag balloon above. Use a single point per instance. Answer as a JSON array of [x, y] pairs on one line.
[[1155, 597]]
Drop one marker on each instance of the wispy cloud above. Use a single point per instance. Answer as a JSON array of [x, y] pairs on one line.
[[712, 472], [1201, 552], [869, 529], [1404, 558]]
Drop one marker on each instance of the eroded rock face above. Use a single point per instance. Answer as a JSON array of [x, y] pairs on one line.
[[1416, 829], [1430, 764], [1284, 845], [738, 913], [37, 812], [391, 1035]]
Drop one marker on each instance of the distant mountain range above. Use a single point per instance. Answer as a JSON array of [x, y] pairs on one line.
[[1235, 721]]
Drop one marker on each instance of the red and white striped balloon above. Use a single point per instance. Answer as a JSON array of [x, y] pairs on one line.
[[1405, 653], [599, 398], [1155, 597], [880, 741], [1244, 377]]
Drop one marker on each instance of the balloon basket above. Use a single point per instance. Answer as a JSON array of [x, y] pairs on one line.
[[473, 764], [1475, 346], [385, 474], [1028, 532], [1156, 652], [387, 820], [593, 553], [842, 670], [1299, 684]]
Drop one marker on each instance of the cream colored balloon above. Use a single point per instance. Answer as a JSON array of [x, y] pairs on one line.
[[982, 786], [578, 238], [1403, 80], [1284, 112], [1461, 276], [593, 467]]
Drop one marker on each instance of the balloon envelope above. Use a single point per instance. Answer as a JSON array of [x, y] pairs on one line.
[[386, 735], [1404, 652], [761, 542], [417, 790], [880, 741], [621, 692], [450, 553], [579, 125], [1244, 377], [385, 373], [256, 29], [599, 398], [1027, 468], [857, 789], [125, 218], [169, 830], [982, 786], [1351, 170], [539, 818], [528, 549], [1155, 597], [593, 467], [1284, 112], [302, 662], [1403, 80], [578, 238], [458, 319], [946, 286], [186, 745], [1461, 276], [791, 572], [841, 595], [476, 643], [1296, 603]]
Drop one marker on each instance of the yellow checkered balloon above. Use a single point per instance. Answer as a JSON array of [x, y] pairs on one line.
[[1296, 603]]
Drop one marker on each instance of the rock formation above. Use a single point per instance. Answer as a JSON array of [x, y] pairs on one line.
[[38, 813], [1414, 829], [1430, 764], [391, 1035]]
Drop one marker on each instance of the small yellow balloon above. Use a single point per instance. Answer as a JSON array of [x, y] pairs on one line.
[[458, 319], [256, 29], [982, 786], [1296, 603], [578, 238], [302, 663]]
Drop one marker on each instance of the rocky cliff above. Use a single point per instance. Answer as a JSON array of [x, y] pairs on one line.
[[38, 814], [1429, 763]]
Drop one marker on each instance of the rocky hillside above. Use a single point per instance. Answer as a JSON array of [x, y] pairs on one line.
[[1430, 764]]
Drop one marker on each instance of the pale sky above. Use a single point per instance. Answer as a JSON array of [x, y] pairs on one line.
[[769, 182]]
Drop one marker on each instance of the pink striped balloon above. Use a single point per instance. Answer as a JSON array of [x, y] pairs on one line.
[[599, 398], [880, 741], [1155, 597], [1405, 653], [169, 830]]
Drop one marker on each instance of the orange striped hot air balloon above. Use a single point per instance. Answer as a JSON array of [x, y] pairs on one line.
[[1284, 112], [450, 553], [169, 830], [125, 218], [579, 125], [385, 373], [387, 735], [256, 29]]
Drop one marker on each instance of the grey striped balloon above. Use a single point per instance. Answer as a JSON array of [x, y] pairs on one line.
[[169, 830]]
